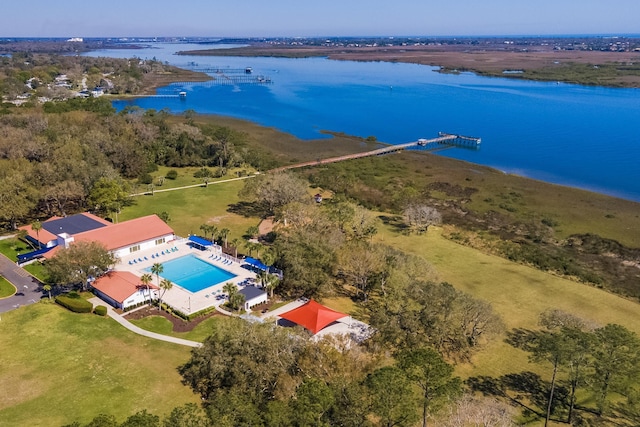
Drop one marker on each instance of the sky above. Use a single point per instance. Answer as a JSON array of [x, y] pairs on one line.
[[305, 18]]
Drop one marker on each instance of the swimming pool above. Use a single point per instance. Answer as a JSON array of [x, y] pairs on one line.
[[192, 273]]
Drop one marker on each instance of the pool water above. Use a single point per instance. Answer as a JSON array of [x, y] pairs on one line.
[[192, 273]]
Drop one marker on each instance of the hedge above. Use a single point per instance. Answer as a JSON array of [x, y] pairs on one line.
[[74, 304], [100, 310]]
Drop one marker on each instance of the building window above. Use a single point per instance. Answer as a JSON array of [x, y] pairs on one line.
[[134, 248], [159, 241]]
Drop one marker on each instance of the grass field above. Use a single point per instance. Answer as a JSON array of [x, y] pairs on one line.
[[185, 178], [192, 207], [517, 293], [59, 367], [6, 288], [161, 325]]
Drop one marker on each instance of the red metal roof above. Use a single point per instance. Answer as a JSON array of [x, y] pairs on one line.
[[120, 285], [313, 316], [126, 233]]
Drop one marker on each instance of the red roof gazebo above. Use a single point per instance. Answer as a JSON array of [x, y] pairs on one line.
[[313, 316]]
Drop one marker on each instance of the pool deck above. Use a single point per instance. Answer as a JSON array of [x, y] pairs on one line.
[[179, 298]]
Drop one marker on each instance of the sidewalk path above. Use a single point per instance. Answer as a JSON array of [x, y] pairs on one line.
[[144, 193], [29, 289], [133, 328]]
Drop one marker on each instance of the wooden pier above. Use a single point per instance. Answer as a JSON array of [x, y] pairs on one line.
[[223, 70], [444, 140], [224, 79]]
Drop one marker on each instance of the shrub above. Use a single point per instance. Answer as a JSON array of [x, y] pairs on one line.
[[77, 305], [145, 178], [202, 173], [100, 310], [172, 174], [73, 294]]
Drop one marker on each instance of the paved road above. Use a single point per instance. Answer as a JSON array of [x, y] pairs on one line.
[[29, 288], [133, 328]]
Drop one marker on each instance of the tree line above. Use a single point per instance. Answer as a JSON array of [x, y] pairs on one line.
[[86, 156], [260, 375]]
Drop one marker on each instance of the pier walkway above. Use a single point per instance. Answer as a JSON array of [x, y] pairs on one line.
[[443, 140]]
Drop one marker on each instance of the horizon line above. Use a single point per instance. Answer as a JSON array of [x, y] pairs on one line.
[[552, 35]]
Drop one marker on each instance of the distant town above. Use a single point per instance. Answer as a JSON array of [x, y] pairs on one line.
[[624, 43]]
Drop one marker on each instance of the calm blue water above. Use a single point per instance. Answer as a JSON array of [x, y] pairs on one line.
[[586, 137], [192, 273]]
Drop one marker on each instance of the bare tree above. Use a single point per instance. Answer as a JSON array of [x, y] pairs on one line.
[[420, 216], [474, 411]]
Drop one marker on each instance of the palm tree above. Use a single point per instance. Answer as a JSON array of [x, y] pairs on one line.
[[233, 293], [37, 226], [165, 285], [237, 301], [271, 282], [47, 288], [157, 269], [252, 246], [224, 233], [146, 279], [205, 229], [235, 243], [253, 231]]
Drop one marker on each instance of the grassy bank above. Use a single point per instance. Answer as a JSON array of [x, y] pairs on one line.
[[59, 367]]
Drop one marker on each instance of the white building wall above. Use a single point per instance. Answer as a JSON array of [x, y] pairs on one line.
[[140, 296], [255, 301], [146, 245]]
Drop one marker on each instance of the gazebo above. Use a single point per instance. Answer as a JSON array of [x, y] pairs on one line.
[[199, 242], [313, 316], [256, 263]]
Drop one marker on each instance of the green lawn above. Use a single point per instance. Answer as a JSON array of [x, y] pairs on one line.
[[59, 367], [161, 325], [190, 208], [6, 288], [12, 247], [185, 177]]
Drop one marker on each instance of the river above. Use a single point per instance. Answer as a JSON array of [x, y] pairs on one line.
[[585, 137]]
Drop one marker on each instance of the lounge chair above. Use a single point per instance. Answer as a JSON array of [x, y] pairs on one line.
[[153, 256], [157, 255], [134, 261], [139, 259], [130, 262], [206, 296], [162, 252], [146, 259]]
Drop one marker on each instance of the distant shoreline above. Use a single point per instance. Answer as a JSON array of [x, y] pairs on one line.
[[591, 68]]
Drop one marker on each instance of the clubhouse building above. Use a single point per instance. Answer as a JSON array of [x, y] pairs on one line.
[[122, 239]]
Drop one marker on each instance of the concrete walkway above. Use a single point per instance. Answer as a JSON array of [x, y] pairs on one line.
[[29, 289], [148, 192], [133, 328]]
